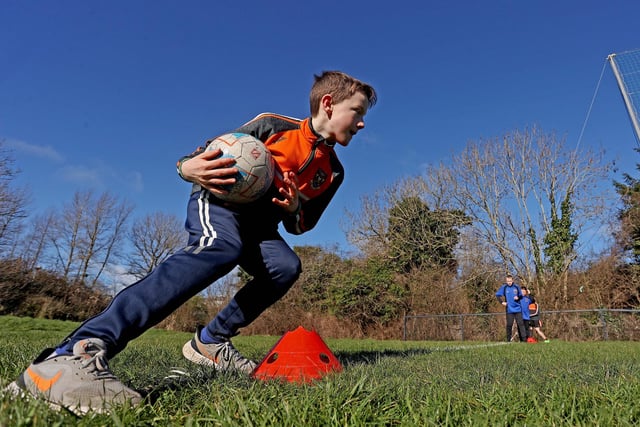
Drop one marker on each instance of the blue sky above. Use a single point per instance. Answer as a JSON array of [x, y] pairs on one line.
[[108, 95]]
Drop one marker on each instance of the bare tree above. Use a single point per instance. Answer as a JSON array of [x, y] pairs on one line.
[[154, 238], [37, 239], [65, 233], [513, 188], [13, 204], [105, 235], [87, 235]]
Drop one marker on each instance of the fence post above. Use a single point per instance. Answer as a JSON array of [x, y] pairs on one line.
[[603, 320], [462, 327], [404, 329]]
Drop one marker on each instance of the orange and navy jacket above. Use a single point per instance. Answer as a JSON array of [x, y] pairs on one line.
[[295, 146]]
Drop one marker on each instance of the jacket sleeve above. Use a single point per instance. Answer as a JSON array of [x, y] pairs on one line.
[[500, 294], [311, 210], [263, 126]]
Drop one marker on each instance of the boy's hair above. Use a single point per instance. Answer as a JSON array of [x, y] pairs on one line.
[[340, 86]]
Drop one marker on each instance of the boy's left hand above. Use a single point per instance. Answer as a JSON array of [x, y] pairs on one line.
[[290, 193]]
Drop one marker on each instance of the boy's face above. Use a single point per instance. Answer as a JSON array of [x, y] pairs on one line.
[[346, 118]]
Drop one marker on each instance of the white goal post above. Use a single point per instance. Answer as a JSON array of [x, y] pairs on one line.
[[626, 68]]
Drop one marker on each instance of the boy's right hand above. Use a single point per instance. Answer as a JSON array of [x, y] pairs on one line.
[[210, 171]]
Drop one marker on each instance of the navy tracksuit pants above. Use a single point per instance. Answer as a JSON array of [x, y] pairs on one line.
[[219, 239], [522, 330]]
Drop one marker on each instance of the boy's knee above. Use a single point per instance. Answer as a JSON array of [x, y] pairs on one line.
[[285, 274], [290, 271]]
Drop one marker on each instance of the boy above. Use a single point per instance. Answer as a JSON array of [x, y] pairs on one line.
[[509, 296], [221, 236], [525, 302], [535, 324]]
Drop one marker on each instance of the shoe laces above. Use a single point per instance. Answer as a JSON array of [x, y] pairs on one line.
[[96, 364], [230, 353]]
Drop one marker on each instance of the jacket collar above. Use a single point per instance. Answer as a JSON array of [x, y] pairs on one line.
[[311, 134]]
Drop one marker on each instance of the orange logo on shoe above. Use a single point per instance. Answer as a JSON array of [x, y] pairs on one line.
[[43, 384]]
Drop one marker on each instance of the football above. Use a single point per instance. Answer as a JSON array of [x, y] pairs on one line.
[[254, 163]]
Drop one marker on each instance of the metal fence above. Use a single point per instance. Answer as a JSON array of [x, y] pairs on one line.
[[567, 325]]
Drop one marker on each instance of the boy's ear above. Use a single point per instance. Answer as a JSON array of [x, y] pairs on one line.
[[326, 104]]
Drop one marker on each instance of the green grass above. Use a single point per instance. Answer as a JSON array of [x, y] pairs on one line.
[[383, 383]]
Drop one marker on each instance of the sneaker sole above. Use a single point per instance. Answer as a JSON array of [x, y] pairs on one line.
[[17, 391]]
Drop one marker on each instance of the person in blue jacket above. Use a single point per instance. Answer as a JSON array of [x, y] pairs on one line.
[[509, 296], [526, 313], [534, 324]]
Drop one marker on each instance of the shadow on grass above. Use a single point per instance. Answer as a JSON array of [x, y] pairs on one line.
[[174, 381], [367, 357], [201, 377], [370, 357], [177, 379]]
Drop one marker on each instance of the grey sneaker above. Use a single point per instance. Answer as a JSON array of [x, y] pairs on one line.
[[222, 357], [81, 382]]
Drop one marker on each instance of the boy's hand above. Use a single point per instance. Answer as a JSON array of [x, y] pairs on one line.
[[210, 171], [290, 193]]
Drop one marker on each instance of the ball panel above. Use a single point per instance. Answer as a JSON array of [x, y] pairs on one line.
[[254, 163]]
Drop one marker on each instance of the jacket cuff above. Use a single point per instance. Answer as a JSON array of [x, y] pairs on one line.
[[179, 167]]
